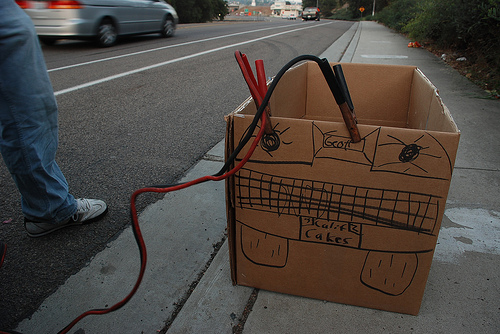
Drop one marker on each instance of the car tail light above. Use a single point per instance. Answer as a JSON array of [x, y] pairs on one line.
[[64, 5], [23, 4], [68, 4]]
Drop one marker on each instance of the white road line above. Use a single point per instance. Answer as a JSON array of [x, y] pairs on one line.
[[194, 55], [162, 48]]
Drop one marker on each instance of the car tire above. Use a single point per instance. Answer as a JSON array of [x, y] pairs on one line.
[[168, 27], [107, 33], [48, 40]]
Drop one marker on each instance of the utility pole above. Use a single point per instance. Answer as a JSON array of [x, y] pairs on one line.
[[373, 10]]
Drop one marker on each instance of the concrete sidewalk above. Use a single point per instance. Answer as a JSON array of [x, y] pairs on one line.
[[463, 289], [188, 285]]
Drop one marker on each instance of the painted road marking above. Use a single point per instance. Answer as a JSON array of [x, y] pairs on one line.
[[194, 55]]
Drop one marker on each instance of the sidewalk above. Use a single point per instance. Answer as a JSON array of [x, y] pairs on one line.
[[463, 289]]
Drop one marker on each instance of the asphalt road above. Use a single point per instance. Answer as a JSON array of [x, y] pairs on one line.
[[137, 114]]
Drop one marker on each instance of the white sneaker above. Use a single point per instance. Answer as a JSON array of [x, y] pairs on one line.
[[88, 210]]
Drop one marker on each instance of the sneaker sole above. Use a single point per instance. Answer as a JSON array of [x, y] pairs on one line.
[[88, 221]]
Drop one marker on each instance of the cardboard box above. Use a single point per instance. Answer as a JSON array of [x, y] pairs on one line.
[[315, 215]]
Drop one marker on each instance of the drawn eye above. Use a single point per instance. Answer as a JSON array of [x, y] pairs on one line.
[[409, 153], [423, 157], [270, 142]]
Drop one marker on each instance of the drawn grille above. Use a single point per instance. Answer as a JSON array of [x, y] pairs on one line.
[[336, 202]]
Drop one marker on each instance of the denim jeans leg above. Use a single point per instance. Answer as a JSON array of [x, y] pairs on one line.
[[29, 120]]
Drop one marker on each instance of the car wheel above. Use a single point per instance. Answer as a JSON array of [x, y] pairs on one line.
[[107, 33], [168, 27], [48, 40]]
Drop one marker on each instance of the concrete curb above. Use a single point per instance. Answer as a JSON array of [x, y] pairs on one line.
[[342, 46]]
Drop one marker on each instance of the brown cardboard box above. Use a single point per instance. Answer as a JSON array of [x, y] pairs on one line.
[[315, 215]]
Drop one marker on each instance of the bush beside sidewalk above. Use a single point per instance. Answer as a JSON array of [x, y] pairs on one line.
[[462, 33]]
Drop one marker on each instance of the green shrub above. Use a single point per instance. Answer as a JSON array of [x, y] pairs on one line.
[[191, 11], [447, 22], [342, 14], [470, 27], [399, 13]]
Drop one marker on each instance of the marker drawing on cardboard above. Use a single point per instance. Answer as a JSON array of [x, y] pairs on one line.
[[423, 156], [335, 214], [314, 214]]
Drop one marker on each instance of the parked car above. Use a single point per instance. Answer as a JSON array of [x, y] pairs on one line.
[[102, 20], [310, 13]]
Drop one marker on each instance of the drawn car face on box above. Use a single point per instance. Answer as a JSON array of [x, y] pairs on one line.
[[361, 218]]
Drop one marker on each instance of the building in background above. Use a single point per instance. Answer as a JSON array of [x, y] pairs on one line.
[[286, 9], [233, 7]]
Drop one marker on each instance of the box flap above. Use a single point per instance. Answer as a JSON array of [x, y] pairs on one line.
[[289, 96], [422, 94], [380, 90], [427, 110]]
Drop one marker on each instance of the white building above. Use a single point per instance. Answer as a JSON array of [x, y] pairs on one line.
[[286, 8]]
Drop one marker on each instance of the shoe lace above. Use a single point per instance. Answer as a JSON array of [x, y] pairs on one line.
[[83, 205]]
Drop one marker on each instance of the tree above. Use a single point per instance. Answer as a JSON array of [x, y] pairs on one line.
[[354, 6], [196, 11], [399, 13], [219, 9]]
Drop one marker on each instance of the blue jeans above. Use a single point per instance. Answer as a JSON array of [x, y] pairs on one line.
[[29, 120]]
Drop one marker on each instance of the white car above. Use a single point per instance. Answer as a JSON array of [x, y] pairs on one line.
[[102, 20]]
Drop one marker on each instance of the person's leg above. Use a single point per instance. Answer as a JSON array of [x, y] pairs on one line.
[[28, 120]]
